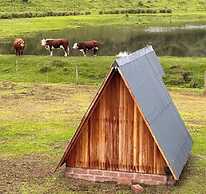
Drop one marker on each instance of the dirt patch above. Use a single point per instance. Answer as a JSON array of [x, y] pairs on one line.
[[14, 172], [36, 101], [34, 173]]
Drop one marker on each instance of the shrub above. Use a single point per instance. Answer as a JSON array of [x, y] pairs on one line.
[[45, 69], [58, 63], [76, 13], [140, 4], [123, 11], [165, 10], [88, 13], [169, 10], [142, 10], [131, 11], [154, 11], [5, 16], [28, 14], [187, 76], [194, 84], [115, 12]]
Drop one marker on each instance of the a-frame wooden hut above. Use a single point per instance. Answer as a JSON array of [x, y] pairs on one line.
[[132, 131]]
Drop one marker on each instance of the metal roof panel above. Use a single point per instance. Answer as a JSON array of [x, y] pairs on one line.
[[143, 74]]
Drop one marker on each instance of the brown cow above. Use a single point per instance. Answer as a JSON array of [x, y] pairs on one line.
[[51, 44], [19, 45], [87, 45]]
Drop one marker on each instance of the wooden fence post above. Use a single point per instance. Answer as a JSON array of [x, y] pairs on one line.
[[16, 65], [76, 75], [205, 83], [47, 76]]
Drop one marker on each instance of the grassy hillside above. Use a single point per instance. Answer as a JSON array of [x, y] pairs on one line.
[[62, 5], [184, 72]]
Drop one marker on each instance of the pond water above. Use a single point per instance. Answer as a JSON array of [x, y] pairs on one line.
[[189, 40]]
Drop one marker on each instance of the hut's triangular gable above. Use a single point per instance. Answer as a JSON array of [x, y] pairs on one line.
[[114, 134], [142, 76]]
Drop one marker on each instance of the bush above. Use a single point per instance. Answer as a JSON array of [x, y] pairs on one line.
[[58, 63], [28, 15], [194, 84], [45, 69], [40, 14], [142, 10], [123, 11], [88, 13], [140, 4], [169, 10], [6, 16], [165, 10], [134, 11], [187, 76]]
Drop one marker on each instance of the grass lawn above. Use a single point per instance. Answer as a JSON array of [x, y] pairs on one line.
[[21, 27], [180, 71], [36, 120]]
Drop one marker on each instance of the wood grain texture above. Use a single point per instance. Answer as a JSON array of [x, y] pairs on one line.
[[115, 136]]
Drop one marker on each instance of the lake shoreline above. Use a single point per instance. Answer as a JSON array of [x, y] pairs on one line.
[[25, 26]]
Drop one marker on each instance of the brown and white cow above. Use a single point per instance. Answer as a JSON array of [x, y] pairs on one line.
[[19, 45], [87, 45], [52, 44]]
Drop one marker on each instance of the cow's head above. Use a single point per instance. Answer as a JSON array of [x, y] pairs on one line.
[[43, 42], [75, 46], [22, 44]]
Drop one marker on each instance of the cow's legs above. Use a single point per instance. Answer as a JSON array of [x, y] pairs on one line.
[[66, 52], [51, 52], [83, 51], [95, 51]]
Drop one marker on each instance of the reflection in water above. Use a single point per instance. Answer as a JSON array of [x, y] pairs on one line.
[[177, 41], [174, 28]]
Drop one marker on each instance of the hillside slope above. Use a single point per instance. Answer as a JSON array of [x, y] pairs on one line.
[[97, 5]]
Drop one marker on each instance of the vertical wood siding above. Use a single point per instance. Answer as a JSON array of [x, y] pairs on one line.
[[115, 136]]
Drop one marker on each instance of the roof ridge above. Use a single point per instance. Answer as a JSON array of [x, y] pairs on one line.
[[134, 56]]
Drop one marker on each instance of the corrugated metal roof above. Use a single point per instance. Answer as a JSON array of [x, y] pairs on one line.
[[143, 74]]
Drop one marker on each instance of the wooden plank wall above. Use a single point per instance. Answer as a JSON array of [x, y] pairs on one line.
[[115, 136]]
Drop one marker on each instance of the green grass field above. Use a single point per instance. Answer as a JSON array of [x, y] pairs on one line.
[[26, 26], [42, 104], [180, 71], [46, 5], [36, 121]]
